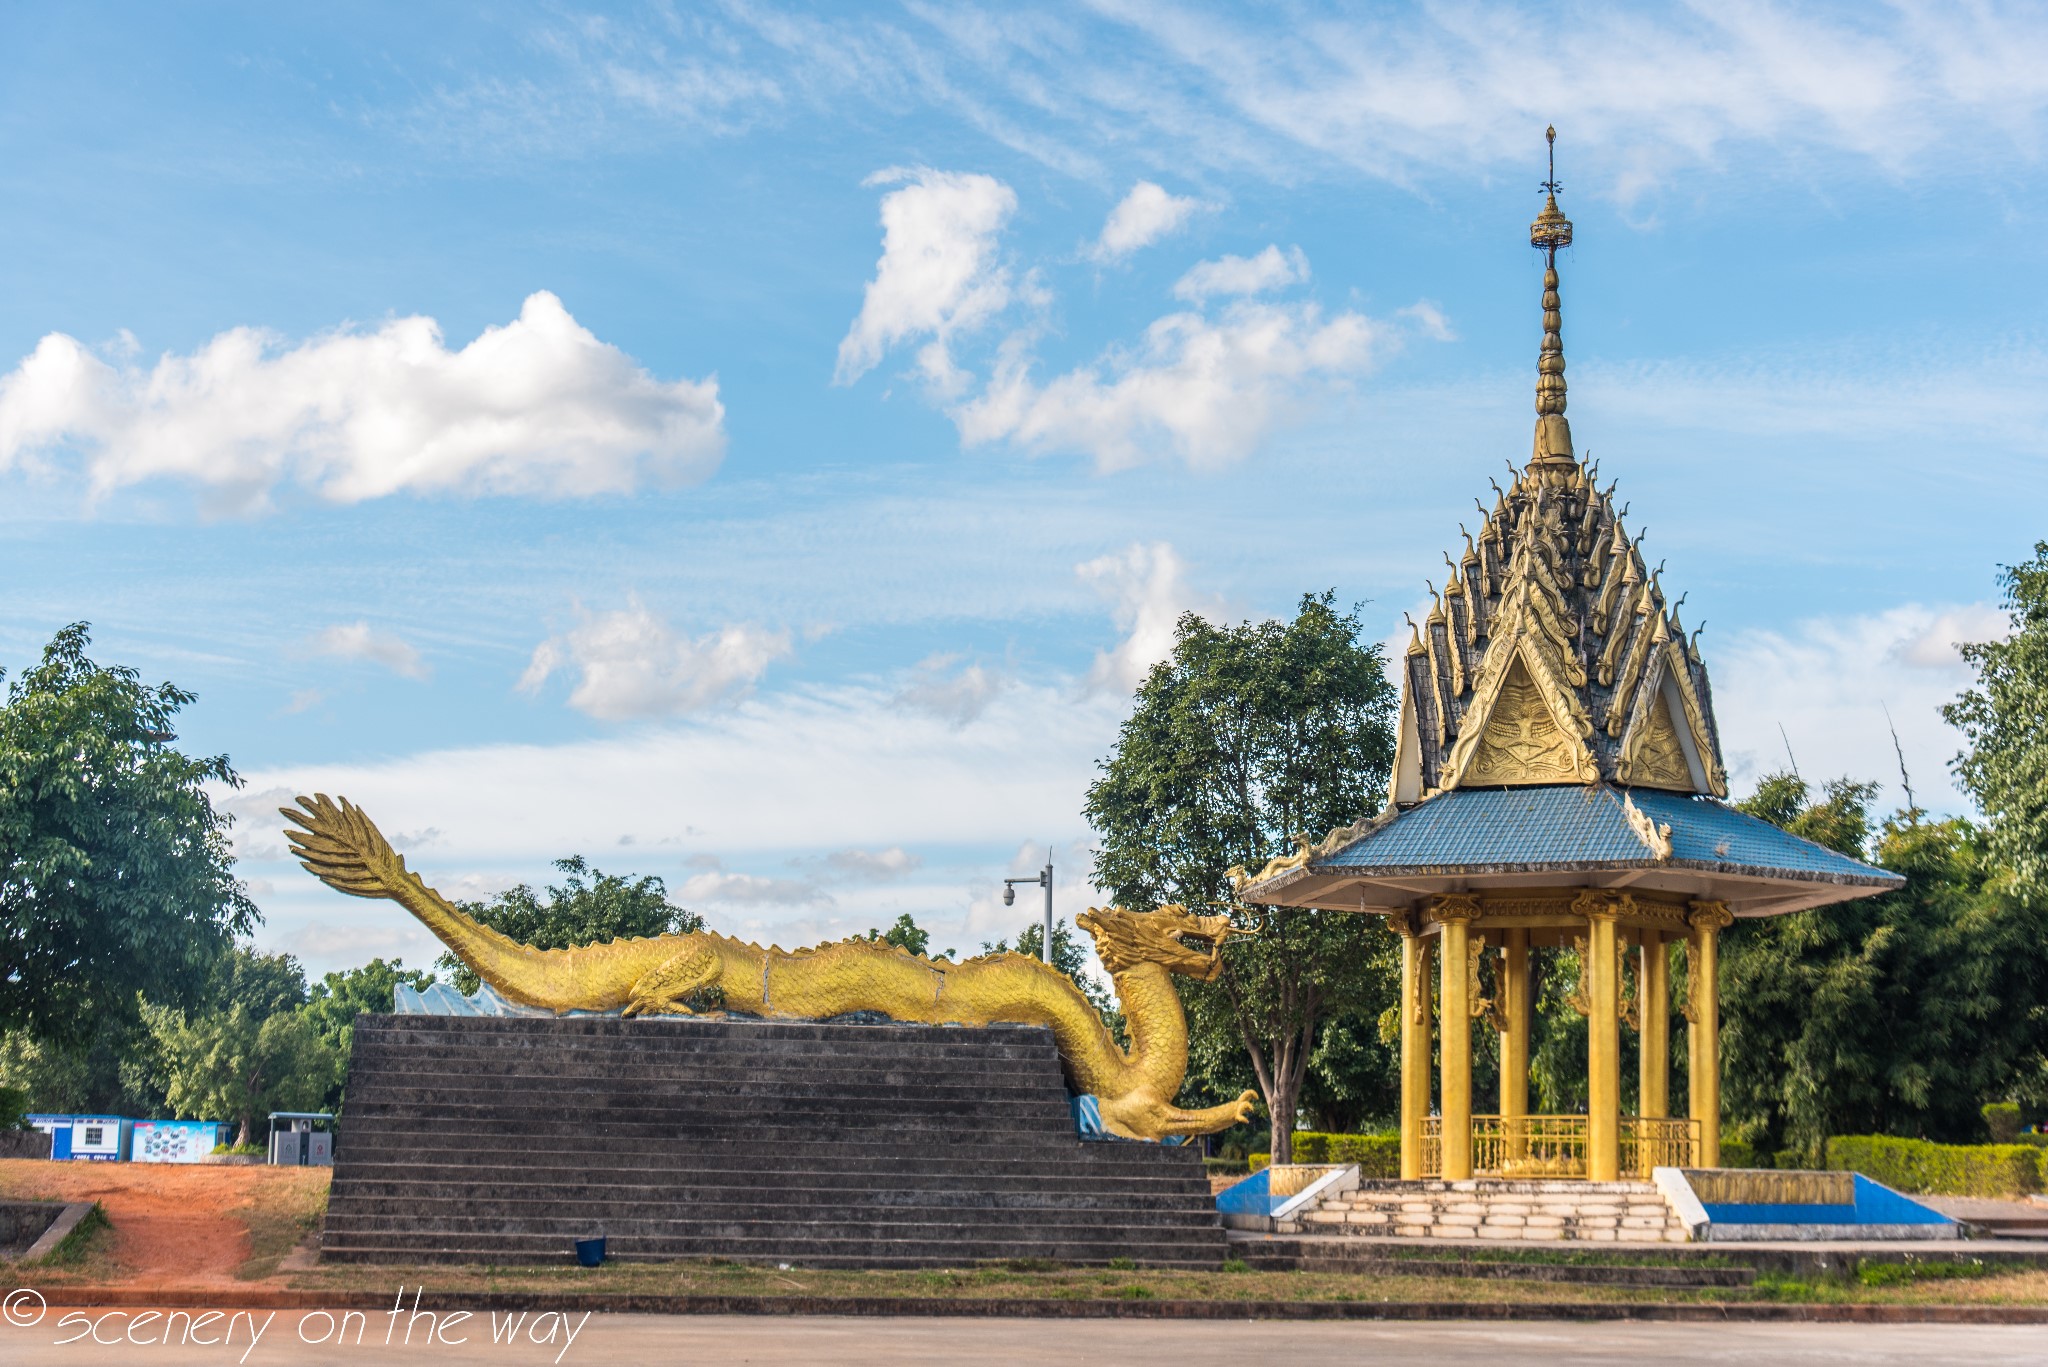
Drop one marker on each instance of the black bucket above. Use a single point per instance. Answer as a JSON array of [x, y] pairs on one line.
[[590, 1252]]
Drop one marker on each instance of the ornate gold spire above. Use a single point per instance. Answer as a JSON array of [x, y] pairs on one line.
[[1551, 230]]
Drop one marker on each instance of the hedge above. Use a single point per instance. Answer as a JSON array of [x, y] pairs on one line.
[[1377, 1155], [1918, 1165]]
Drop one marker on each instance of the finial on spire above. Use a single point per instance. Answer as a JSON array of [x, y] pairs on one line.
[[1551, 230]]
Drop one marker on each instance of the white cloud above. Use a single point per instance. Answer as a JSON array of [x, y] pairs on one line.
[[777, 782], [1142, 217], [877, 866], [361, 641], [1205, 392], [1643, 96], [1147, 590], [1830, 681], [938, 275], [1647, 94], [749, 890], [958, 695], [633, 665], [1271, 269], [1934, 646], [535, 407], [1858, 390], [1429, 320]]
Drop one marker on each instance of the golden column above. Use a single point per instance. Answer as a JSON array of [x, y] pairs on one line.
[[1703, 1034], [1603, 1036], [1415, 1042], [1653, 1007], [1514, 1039], [1455, 914]]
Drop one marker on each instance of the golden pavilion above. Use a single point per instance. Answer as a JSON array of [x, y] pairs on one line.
[[1558, 783]]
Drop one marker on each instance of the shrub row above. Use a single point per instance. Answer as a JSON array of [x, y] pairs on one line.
[[1377, 1155], [1919, 1165]]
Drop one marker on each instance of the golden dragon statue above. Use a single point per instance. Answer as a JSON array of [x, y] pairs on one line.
[[1135, 1086]]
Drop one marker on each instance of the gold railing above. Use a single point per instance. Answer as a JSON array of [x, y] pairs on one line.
[[1554, 1146], [1661, 1142]]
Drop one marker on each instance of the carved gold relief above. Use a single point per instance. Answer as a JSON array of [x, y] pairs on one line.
[[1522, 743], [1475, 991], [1581, 997], [1656, 758]]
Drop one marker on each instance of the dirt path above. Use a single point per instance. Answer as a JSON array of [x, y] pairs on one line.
[[174, 1224]]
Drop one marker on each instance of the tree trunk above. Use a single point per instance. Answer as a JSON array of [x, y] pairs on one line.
[[1282, 1104]]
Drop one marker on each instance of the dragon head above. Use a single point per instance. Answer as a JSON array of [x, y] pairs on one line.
[[1126, 939]]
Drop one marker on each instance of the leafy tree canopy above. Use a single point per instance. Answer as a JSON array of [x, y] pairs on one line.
[[908, 935], [115, 872], [1897, 1014], [250, 1049], [333, 1003], [234, 1066], [2005, 718], [587, 907], [1246, 738]]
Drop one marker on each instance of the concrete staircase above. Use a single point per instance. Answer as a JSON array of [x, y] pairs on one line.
[[494, 1140], [1592, 1212]]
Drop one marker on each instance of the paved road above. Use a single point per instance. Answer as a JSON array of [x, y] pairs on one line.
[[829, 1342]]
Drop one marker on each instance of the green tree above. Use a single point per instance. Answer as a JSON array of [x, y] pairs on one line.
[[1898, 1014], [230, 1065], [253, 1049], [587, 907], [1247, 738], [906, 935], [2005, 720], [115, 873], [115, 1069], [333, 1003]]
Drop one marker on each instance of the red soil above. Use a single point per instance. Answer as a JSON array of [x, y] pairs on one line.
[[174, 1224]]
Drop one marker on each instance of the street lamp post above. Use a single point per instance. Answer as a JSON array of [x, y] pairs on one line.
[[1044, 879]]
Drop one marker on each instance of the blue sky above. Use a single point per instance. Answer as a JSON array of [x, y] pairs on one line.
[[760, 445]]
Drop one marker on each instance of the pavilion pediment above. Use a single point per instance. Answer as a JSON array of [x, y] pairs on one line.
[[1553, 656]]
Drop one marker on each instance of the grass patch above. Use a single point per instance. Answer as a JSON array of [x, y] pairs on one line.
[[85, 1247], [1870, 1273], [998, 1281], [278, 1222]]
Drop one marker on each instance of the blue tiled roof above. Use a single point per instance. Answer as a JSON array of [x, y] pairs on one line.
[[1576, 826]]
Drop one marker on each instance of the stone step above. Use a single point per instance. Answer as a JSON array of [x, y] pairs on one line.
[[1363, 1258], [518, 1251], [479, 1139], [837, 1222], [575, 1074], [1083, 1207], [1430, 1186], [712, 1114], [401, 1183], [739, 1155]]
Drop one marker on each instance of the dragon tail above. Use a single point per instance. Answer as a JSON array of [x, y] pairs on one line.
[[343, 848]]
